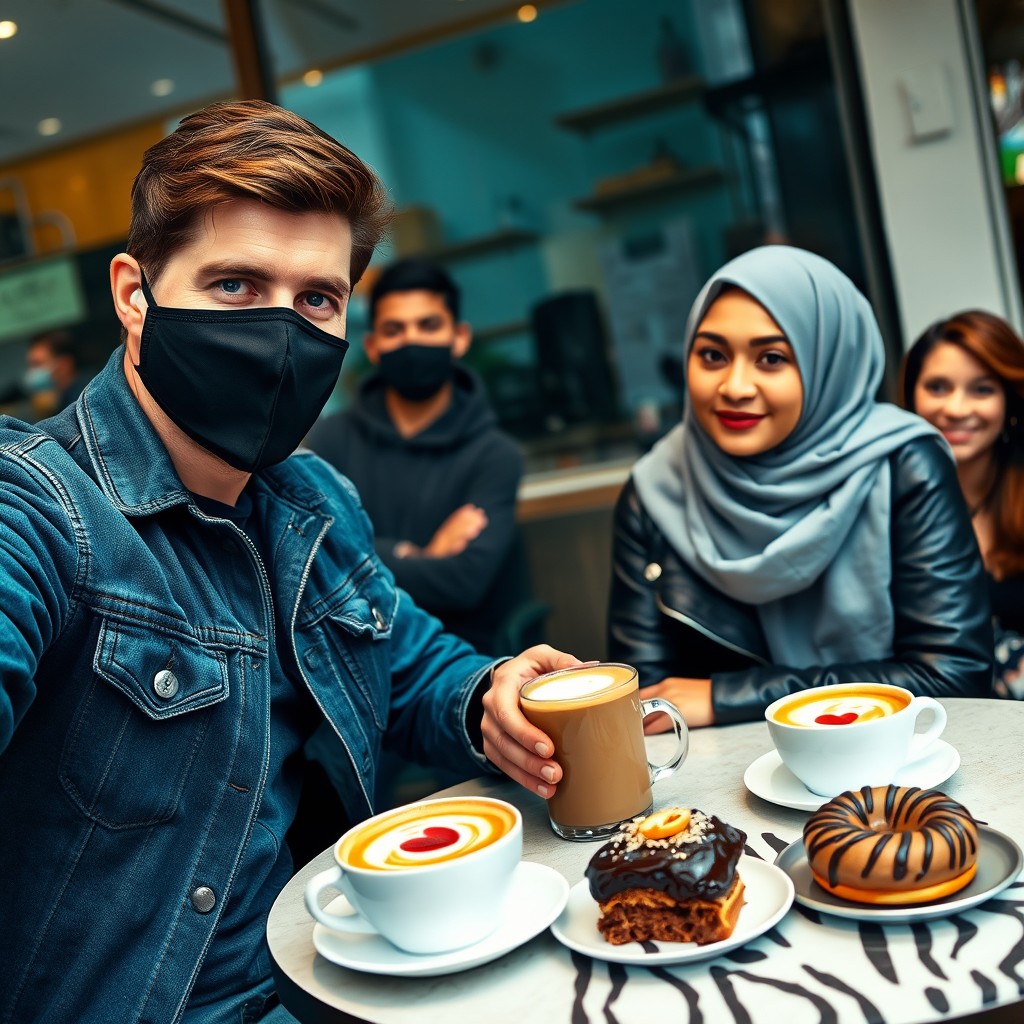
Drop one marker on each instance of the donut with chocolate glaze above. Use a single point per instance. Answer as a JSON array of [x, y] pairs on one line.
[[892, 845]]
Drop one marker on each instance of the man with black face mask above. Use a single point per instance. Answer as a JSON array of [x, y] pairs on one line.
[[183, 600], [436, 475]]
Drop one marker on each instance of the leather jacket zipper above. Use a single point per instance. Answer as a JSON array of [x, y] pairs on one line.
[[694, 624]]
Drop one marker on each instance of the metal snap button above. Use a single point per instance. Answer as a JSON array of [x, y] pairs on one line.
[[204, 899], [652, 571], [165, 683], [378, 619]]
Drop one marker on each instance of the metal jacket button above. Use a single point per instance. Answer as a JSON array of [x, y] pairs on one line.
[[378, 619], [652, 571], [165, 683], [203, 899]]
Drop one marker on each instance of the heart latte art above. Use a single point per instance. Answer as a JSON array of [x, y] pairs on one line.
[[826, 711], [425, 834]]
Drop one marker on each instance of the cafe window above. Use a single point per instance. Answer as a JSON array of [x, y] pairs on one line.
[[579, 167], [581, 194]]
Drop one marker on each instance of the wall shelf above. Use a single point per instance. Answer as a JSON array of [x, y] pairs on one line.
[[506, 330], [496, 241], [663, 97], [688, 178]]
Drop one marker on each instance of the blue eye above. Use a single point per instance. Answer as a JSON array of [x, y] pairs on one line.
[[232, 286], [316, 299]]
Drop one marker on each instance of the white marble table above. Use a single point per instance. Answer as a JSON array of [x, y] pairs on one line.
[[818, 970]]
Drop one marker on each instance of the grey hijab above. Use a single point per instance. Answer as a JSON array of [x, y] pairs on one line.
[[801, 532]]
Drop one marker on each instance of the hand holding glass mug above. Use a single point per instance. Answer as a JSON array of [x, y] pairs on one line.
[[523, 752], [594, 716]]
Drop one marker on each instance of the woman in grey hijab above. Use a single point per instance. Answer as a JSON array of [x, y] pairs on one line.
[[792, 531]]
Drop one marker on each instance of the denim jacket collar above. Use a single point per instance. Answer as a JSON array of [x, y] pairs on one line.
[[119, 438]]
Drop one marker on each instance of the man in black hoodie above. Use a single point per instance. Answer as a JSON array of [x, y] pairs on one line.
[[435, 473]]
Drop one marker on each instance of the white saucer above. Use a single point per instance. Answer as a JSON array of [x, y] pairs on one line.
[[537, 897], [768, 895], [771, 780]]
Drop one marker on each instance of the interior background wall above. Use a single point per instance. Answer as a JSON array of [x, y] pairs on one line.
[[89, 183], [468, 128], [942, 203]]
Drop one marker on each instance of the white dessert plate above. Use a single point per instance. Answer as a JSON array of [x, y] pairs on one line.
[[771, 780], [999, 863], [768, 895], [537, 897]]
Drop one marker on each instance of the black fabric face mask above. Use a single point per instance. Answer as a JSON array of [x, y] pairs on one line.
[[245, 384], [417, 372]]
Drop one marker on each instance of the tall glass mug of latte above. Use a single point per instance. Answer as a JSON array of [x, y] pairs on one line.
[[430, 877], [835, 738], [594, 716]]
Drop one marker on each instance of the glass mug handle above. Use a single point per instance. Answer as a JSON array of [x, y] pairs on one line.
[[649, 706]]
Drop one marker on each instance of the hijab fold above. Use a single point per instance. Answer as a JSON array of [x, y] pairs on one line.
[[802, 531]]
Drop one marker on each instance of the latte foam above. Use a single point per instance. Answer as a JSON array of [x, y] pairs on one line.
[[570, 685], [424, 834], [840, 709]]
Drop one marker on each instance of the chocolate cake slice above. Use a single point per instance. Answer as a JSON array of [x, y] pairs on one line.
[[653, 883]]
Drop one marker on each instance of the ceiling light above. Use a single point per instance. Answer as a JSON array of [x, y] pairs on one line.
[[7, 29], [526, 13], [49, 126], [313, 77], [162, 87]]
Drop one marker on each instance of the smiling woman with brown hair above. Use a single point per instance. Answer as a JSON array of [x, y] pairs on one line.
[[965, 376], [793, 532]]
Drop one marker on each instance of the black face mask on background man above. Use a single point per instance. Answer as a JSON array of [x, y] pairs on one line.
[[246, 385], [417, 372]]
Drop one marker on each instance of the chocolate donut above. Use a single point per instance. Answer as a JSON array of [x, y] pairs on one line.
[[892, 845]]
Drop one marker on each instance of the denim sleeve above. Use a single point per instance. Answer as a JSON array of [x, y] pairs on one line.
[[435, 677], [39, 564]]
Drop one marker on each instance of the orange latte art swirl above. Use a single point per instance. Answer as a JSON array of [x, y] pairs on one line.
[[840, 709], [425, 834]]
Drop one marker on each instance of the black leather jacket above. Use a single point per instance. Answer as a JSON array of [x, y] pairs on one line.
[[668, 621]]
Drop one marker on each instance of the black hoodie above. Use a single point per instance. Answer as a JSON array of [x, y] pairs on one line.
[[410, 485]]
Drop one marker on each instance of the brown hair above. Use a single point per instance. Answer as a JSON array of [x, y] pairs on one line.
[[995, 344], [250, 149]]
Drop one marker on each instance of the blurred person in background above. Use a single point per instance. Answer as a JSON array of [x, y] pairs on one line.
[[437, 478], [436, 475], [54, 377], [965, 376]]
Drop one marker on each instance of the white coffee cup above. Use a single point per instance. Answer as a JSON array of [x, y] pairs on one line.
[[836, 738], [430, 877]]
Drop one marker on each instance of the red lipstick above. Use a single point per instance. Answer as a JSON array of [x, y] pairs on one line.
[[738, 420]]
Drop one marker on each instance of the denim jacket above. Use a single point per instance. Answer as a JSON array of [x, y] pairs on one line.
[[134, 696]]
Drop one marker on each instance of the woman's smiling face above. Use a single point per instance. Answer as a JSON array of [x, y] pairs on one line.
[[959, 395], [743, 383]]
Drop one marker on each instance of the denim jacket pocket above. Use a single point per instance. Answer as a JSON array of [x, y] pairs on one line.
[[351, 630], [139, 723]]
